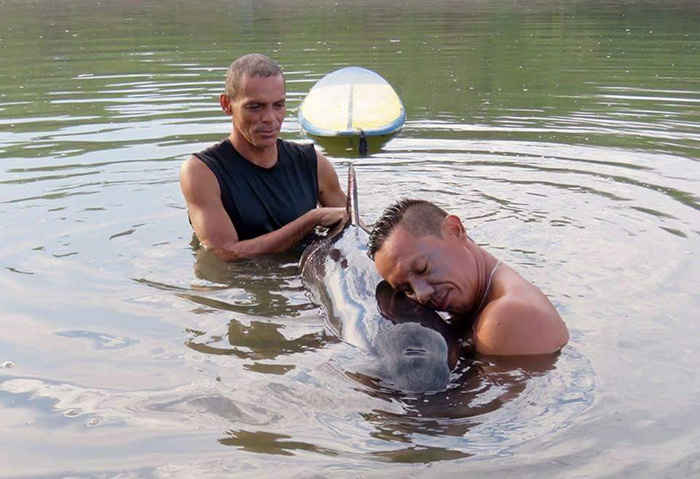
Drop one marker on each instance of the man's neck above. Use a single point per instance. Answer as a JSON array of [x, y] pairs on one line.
[[263, 157], [486, 264]]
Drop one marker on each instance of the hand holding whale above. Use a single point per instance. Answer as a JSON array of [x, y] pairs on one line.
[[329, 216]]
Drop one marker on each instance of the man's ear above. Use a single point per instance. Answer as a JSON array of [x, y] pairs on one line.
[[452, 227], [225, 103]]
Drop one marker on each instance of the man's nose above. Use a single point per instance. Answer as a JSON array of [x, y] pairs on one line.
[[268, 115], [422, 291]]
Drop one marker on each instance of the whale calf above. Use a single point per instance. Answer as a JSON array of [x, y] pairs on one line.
[[415, 349]]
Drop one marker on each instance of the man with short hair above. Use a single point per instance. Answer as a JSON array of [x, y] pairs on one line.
[[421, 250], [253, 193]]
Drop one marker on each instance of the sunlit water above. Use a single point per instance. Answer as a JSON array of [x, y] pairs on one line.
[[567, 136]]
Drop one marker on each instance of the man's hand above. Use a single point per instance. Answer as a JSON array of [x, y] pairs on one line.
[[330, 216]]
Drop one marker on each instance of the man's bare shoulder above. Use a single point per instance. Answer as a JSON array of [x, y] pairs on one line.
[[196, 178], [519, 320], [193, 166]]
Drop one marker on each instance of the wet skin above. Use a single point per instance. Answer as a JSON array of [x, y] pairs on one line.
[[501, 312], [413, 349], [396, 307], [439, 272]]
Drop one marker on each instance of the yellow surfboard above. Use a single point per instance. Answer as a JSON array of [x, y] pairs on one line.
[[352, 101]]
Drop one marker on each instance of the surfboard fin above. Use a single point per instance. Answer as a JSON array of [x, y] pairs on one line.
[[363, 147], [352, 208]]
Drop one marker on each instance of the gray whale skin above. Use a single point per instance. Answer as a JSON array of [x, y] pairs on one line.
[[415, 349]]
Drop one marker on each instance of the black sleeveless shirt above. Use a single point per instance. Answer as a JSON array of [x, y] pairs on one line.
[[260, 200]]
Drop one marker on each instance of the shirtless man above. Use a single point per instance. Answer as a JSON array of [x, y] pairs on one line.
[[421, 250], [253, 193]]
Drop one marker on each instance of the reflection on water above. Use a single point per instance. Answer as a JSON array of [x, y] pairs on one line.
[[247, 287], [270, 443], [477, 391], [257, 341], [270, 284], [565, 134]]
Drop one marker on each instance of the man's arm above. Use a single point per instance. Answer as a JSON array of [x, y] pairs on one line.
[[214, 228], [329, 191], [520, 325]]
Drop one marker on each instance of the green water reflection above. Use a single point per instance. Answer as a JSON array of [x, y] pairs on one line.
[[565, 133], [556, 72]]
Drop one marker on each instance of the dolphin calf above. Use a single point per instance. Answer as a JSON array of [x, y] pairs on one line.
[[415, 349]]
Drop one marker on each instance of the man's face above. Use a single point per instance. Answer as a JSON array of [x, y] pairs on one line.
[[258, 110], [437, 272]]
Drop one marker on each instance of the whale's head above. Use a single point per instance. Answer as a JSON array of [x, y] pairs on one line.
[[415, 349], [414, 358], [419, 349]]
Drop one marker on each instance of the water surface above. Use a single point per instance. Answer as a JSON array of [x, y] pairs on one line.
[[565, 134]]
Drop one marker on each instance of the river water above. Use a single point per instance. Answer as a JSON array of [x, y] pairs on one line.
[[565, 134]]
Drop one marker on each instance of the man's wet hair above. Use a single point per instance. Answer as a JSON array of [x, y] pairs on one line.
[[251, 65], [417, 217]]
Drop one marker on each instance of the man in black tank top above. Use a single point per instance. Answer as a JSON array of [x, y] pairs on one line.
[[253, 193]]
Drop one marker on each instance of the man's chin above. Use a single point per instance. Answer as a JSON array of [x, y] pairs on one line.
[[259, 140], [265, 142]]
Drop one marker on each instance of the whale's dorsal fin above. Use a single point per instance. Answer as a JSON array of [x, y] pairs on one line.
[[352, 208]]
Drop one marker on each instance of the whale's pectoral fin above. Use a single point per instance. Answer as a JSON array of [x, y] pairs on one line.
[[397, 307]]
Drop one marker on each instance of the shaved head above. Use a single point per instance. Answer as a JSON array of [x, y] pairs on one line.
[[251, 65], [417, 217]]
